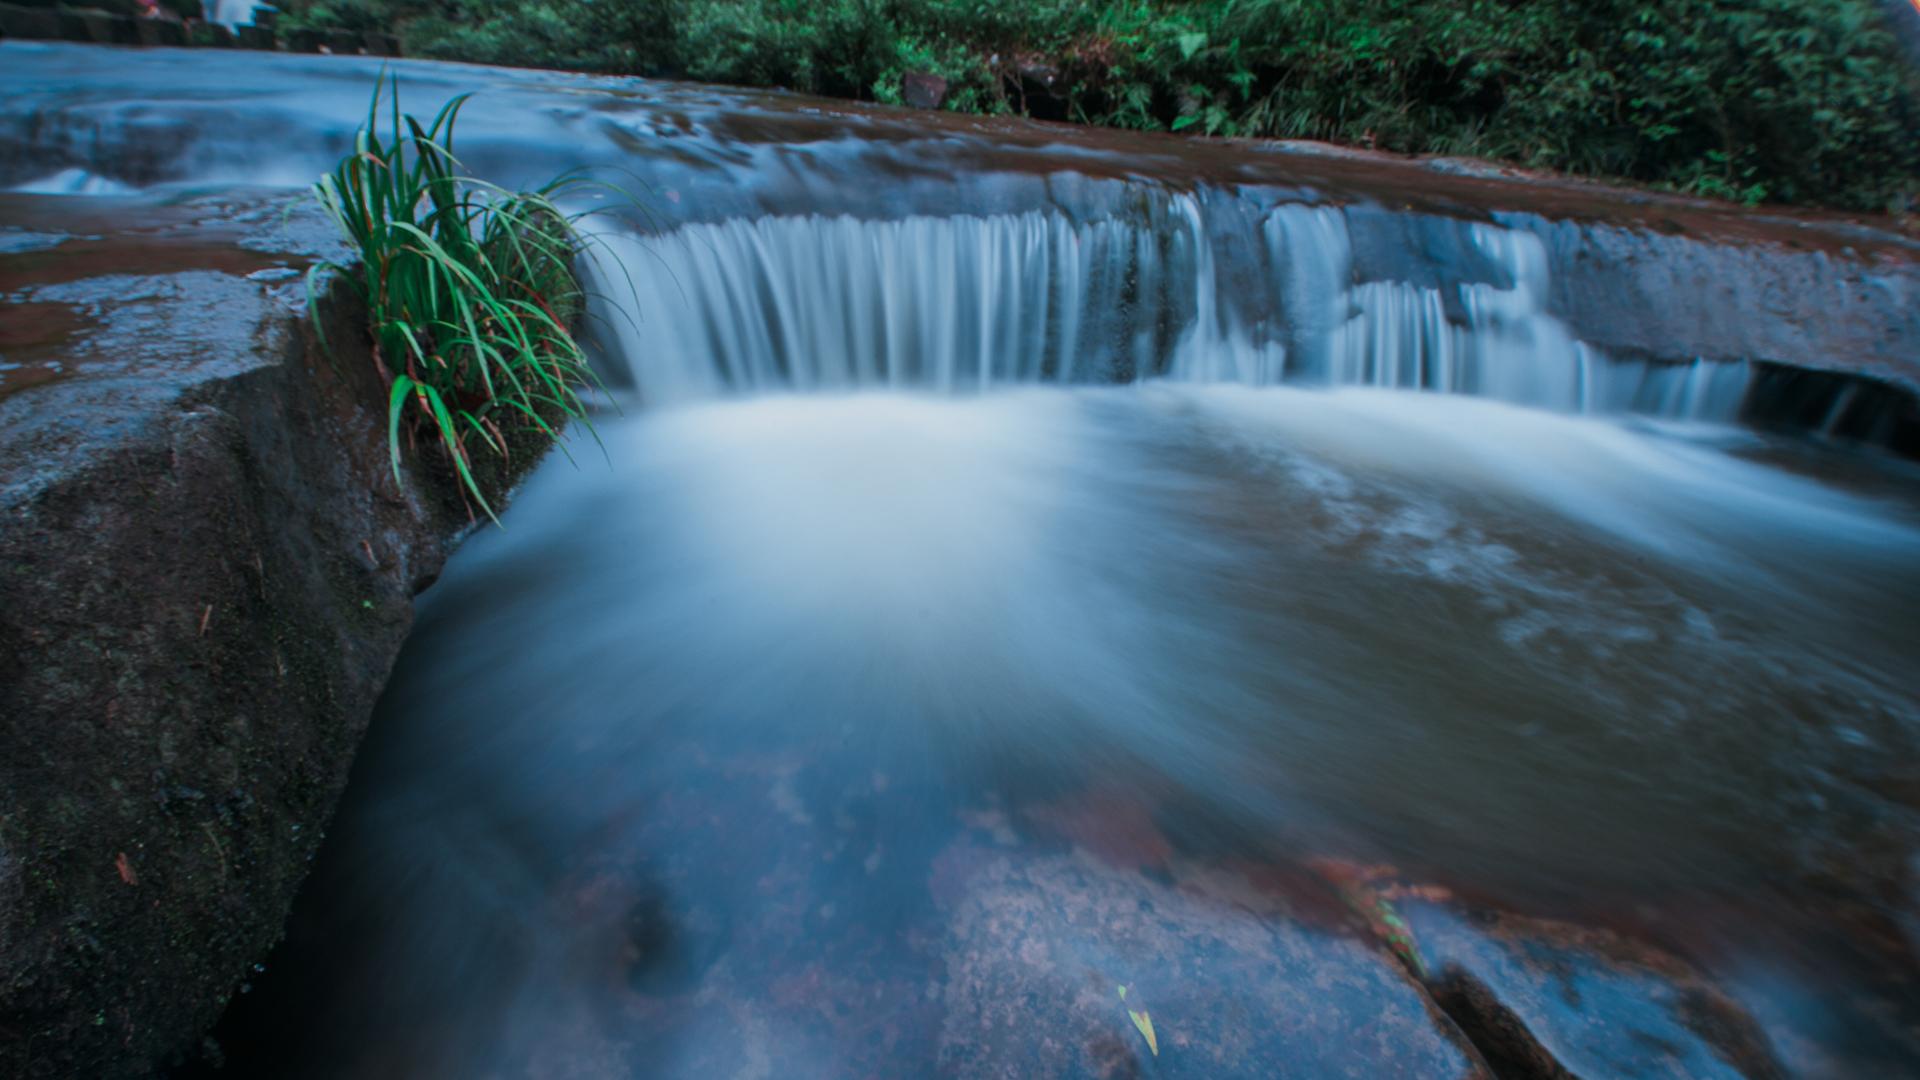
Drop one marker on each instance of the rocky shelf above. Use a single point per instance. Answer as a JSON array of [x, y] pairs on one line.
[[208, 571]]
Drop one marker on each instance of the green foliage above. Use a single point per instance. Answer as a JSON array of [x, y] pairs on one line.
[[1806, 101], [354, 15], [470, 289], [620, 36]]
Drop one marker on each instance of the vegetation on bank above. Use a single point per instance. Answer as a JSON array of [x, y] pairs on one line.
[[1799, 101], [470, 289]]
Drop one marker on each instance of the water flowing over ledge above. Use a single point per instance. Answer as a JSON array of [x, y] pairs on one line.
[[970, 302], [822, 714], [1664, 305]]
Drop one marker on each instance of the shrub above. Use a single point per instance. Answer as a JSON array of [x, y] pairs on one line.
[[1805, 101], [469, 288], [620, 37], [353, 15]]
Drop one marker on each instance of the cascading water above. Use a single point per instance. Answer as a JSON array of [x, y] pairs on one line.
[[905, 678], [236, 12], [834, 303], [905, 688], [965, 302]]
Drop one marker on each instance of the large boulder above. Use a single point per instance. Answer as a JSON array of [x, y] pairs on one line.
[[206, 571]]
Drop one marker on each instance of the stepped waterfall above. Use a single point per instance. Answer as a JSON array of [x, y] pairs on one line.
[[1023, 588], [967, 303]]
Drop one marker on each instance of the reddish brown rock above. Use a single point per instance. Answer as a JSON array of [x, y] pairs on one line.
[[1551, 999]]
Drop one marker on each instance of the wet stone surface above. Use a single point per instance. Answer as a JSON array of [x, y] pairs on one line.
[[743, 925], [191, 638], [750, 923], [1637, 271], [118, 306], [1552, 999], [1234, 986], [850, 753]]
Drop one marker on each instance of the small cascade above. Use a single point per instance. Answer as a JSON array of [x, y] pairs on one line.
[[236, 12], [964, 303], [1217, 346], [1495, 339], [958, 303]]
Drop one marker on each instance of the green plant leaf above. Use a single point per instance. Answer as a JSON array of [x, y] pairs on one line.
[[1144, 1024], [396, 404]]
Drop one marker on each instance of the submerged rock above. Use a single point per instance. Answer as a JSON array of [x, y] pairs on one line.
[[1550, 999], [1039, 946]]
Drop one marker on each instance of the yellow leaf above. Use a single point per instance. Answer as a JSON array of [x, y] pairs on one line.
[[1145, 1023]]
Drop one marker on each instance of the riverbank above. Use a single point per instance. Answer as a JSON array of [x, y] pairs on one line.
[[1780, 102], [209, 570]]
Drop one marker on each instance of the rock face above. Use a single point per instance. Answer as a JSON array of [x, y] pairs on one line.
[[206, 571], [1553, 1000], [922, 90]]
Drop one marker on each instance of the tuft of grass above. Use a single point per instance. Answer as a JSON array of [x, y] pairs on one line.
[[470, 288]]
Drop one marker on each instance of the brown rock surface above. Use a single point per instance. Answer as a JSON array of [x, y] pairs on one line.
[[205, 574], [1233, 985], [1551, 999]]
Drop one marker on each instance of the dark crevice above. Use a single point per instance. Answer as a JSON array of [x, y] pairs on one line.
[[1511, 1051], [1502, 1038]]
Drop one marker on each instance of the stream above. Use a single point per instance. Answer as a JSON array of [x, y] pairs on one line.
[[1010, 567], [677, 767]]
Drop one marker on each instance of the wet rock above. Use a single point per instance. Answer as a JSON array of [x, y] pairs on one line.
[[160, 32], [188, 652], [1639, 275], [1035, 81], [1664, 293], [1233, 985], [923, 90], [305, 41], [28, 23], [103, 29], [1038, 74], [1550, 999]]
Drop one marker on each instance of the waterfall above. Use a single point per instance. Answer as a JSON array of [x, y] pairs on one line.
[[965, 302], [945, 303], [236, 12]]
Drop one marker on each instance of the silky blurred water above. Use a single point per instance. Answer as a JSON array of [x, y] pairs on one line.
[[1570, 665], [682, 772]]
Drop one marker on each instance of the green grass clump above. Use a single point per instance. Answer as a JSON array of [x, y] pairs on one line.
[[470, 289]]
